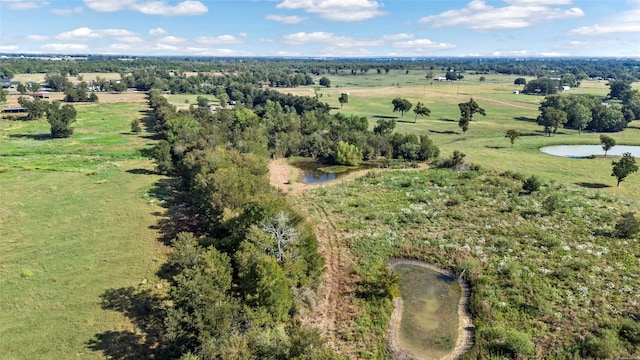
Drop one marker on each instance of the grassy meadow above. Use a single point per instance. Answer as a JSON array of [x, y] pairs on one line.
[[485, 142], [544, 267], [77, 225]]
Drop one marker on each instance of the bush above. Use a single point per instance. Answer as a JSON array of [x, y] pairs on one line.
[[553, 203], [135, 126], [628, 226], [602, 346], [455, 161], [531, 184]]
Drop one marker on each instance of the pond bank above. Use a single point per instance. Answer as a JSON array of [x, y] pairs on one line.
[[465, 324]]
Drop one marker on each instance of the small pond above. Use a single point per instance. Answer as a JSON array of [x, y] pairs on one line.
[[314, 172], [583, 151], [429, 324]]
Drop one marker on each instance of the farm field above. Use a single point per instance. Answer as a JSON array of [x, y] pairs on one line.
[[77, 233]]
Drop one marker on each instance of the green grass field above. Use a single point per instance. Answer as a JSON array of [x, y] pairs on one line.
[[77, 219], [485, 143]]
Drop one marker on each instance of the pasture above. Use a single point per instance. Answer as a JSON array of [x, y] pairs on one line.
[[77, 233], [485, 143]]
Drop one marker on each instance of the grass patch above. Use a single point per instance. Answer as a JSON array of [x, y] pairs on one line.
[[544, 266], [76, 222]]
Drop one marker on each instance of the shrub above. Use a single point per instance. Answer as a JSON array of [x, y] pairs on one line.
[[628, 226], [135, 126], [531, 184], [553, 203], [602, 346], [455, 161]]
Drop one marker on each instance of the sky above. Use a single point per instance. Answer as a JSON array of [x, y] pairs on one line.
[[322, 28]]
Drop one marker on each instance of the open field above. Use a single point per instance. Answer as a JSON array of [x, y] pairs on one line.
[[183, 101], [77, 233], [523, 256], [485, 143]]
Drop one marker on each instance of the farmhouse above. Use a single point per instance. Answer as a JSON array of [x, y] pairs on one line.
[[7, 83], [41, 95]]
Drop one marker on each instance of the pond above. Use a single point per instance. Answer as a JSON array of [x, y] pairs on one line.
[[314, 172], [583, 151], [429, 321]]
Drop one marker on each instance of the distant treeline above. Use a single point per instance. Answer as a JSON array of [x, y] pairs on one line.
[[292, 72]]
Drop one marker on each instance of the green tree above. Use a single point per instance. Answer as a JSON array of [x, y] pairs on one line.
[[36, 108], [384, 127], [482, 79], [512, 134], [324, 81], [344, 99], [520, 81], [421, 110], [467, 110], [21, 88], [580, 116], [551, 118], [32, 86], [402, 105], [625, 167], [348, 154], [617, 87], [60, 119], [3, 96], [57, 82], [607, 143], [542, 86]]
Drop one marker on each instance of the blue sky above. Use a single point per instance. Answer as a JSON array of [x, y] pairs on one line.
[[323, 28]]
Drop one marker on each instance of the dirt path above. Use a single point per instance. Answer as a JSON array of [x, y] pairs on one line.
[[466, 328]]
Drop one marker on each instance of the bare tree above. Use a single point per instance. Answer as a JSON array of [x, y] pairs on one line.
[[284, 233]]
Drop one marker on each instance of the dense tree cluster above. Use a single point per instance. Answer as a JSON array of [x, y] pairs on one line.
[[589, 112]]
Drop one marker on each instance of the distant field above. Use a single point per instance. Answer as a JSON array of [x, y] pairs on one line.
[[183, 101], [485, 142], [77, 226]]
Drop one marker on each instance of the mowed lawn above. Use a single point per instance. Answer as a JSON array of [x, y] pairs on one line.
[[485, 143], [77, 219]]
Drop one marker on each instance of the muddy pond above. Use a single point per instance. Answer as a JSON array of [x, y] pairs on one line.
[[429, 322], [314, 172], [583, 151]]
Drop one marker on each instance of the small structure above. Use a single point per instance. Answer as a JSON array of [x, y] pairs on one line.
[[566, 88], [14, 110], [516, 92], [440, 78], [41, 95]]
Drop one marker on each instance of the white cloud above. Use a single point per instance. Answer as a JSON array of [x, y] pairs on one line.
[[479, 15], [337, 10], [333, 51], [286, 19], [394, 37], [8, 48], [130, 39], [67, 12], [85, 33], [625, 22], [36, 37], [24, 5], [510, 53], [302, 38], [188, 7], [109, 6], [157, 31], [423, 45], [199, 51], [65, 48], [552, 54], [171, 40], [286, 53], [217, 40], [165, 47]]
